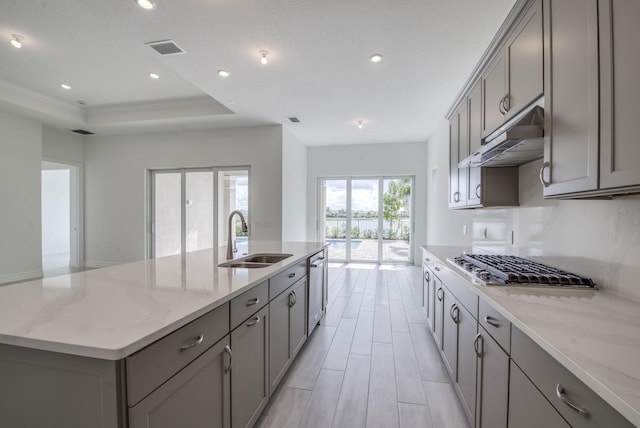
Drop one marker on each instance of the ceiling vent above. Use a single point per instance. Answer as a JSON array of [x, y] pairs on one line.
[[294, 119], [82, 132], [165, 47]]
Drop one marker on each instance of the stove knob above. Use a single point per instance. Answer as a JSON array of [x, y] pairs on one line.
[[458, 260], [468, 266], [483, 275]]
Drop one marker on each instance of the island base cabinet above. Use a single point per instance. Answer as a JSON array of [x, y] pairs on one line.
[[527, 406], [250, 369], [198, 396]]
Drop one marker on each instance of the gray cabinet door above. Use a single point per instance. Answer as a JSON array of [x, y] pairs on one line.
[[467, 360], [250, 369], [494, 91], [493, 383], [438, 304], [298, 326], [571, 97], [197, 396], [454, 179], [426, 282], [474, 178], [527, 406], [523, 53], [316, 290], [450, 333], [279, 343], [620, 92]]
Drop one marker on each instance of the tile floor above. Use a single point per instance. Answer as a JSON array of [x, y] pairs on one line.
[[371, 362]]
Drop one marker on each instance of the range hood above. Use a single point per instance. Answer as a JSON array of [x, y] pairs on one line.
[[518, 141]]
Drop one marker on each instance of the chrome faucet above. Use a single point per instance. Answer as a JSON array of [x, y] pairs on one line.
[[231, 243]]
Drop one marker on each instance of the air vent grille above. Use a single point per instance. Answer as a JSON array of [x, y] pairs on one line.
[[82, 132], [294, 120], [166, 47]]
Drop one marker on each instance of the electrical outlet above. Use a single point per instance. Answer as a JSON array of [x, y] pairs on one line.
[[510, 238]]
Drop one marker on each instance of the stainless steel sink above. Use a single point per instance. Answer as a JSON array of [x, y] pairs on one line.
[[254, 261]]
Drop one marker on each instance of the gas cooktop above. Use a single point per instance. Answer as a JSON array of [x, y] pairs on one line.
[[512, 270]]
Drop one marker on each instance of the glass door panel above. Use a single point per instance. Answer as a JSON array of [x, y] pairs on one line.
[[167, 210], [233, 194], [334, 213], [198, 210], [396, 211], [365, 219]]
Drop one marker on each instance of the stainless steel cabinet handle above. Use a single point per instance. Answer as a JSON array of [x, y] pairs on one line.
[[427, 276], [227, 350], [565, 400], [293, 299], [492, 321], [502, 112], [437, 268], [253, 302], [478, 187], [440, 297], [254, 321], [314, 265], [506, 104], [456, 317], [477, 346], [456, 197], [542, 168], [427, 259], [292, 275], [198, 341]]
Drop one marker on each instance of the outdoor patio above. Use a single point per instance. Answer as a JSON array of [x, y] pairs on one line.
[[367, 250]]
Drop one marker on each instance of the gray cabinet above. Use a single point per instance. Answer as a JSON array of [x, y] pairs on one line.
[[317, 289], [514, 78], [458, 150], [527, 406], [620, 93], [438, 312], [197, 396], [571, 98], [287, 330], [250, 369], [492, 395]]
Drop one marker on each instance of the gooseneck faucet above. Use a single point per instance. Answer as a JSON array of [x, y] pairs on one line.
[[231, 247]]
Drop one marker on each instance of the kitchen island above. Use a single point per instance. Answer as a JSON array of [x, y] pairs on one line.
[[89, 329]]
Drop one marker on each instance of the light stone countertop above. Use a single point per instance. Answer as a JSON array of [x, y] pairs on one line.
[[593, 333], [112, 312]]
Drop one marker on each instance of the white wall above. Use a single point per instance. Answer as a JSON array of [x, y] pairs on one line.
[[294, 188], [595, 238], [115, 182], [368, 159], [20, 178], [62, 146]]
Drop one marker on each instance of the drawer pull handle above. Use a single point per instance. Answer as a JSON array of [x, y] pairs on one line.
[[254, 321], [427, 259], [315, 265], [565, 400], [438, 294], [437, 268], [198, 341], [491, 321], [292, 275], [227, 350], [477, 346], [253, 302]]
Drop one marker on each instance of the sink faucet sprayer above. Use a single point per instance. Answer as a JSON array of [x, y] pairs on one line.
[[231, 243]]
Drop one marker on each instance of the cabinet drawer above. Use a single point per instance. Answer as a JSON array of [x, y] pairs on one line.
[[248, 303], [428, 259], [150, 367], [552, 378], [496, 325], [459, 287], [285, 279]]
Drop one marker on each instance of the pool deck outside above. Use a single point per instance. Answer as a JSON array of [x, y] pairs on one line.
[[367, 250]]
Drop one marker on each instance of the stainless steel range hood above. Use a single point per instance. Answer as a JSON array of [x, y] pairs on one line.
[[518, 141]]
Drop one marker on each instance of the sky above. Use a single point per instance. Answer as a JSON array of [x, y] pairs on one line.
[[364, 194]]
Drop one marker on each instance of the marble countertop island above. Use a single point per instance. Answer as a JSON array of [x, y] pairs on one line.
[[593, 333], [112, 312]]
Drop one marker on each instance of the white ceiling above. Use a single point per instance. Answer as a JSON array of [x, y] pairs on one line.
[[319, 68]]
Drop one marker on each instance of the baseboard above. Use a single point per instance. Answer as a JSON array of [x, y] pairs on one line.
[[99, 264], [22, 276]]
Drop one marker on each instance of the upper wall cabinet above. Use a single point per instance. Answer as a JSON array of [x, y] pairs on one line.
[[591, 63], [515, 76]]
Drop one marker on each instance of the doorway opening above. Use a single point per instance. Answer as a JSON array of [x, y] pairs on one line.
[[367, 219], [60, 218]]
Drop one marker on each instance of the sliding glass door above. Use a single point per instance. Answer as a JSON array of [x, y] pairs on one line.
[[186, 205], [367, 219]]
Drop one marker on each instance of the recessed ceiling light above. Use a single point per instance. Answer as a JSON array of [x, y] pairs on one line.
[[375, 57], [146, 4], [360, 124], [16, 41], [223, 73], [263, 56], [154, 76], [65, 86]]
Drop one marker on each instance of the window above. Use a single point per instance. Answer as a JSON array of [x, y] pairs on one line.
[[367, 218], [187, 204]]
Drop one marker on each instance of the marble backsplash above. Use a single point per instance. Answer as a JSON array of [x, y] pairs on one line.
[[598, 238]]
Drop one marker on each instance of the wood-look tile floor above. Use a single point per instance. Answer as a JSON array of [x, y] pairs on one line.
[[371, 362]]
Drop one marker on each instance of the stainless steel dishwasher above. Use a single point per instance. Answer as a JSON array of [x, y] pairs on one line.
[[317, 292]]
